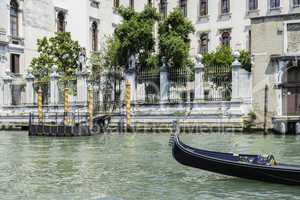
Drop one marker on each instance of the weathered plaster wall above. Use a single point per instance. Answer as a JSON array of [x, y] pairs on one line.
[[267, 40]]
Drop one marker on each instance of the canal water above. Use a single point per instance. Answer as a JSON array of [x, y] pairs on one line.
[[132, 166]]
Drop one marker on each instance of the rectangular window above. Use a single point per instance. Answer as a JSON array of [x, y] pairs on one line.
[[252, 4], [249, 41], [274, 4], [150, 2], [116, 3], [131, 4], [225, 6], [183, 7], [14, 25], [15, 63], [203, 43], [296, 3], [163, 10], [225, 37], [293, 38], [203, 7]]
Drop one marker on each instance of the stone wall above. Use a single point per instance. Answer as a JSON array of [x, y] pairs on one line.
[[267, 40], [270, 38]]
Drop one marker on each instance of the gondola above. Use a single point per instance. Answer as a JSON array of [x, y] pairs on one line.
[[257, 167]]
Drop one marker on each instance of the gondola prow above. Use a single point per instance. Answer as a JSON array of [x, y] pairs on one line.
[[175, 132]]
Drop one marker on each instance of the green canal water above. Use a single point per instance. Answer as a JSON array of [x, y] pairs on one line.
[[132, 166]]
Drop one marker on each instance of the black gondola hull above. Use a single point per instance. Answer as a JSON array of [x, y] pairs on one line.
[[274, 174]]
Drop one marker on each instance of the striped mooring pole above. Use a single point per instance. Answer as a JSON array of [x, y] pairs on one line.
[[90, 107], [40, 105], [66, 106], [128, 103]]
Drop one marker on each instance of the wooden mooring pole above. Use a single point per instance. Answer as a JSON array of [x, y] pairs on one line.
[[128, 104], [40, 105], [66, 106], [90, 107]]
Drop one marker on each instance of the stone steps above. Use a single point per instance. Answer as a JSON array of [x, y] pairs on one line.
[[158, 124]]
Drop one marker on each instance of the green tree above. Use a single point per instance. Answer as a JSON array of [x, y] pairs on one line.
[[223, 57], [174, 42], [134, 36], [59, 50]]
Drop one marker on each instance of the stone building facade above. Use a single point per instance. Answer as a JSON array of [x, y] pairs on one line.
[[276, 72], [216, 22]]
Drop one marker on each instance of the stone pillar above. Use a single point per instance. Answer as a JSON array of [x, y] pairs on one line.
[[29, 87], [236, 66], [245, 90], [122, 95], [7, 93], [131, 77], [82, 86], [164, 83], [54, 91], [199, 79], [1, 92], [297, 128]]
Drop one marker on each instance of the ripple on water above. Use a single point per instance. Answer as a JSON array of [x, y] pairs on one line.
[[127, 167]]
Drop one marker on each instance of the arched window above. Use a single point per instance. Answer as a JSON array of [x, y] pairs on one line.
[[225, 38], [203, 7], [183, 6], [14, 28], [61, 21], [163, 8], [95, 36]]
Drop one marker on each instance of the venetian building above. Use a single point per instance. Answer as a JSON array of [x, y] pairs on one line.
[[217, 22]]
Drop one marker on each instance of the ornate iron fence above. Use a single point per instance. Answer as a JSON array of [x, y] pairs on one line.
[[17, 91], [107, 89], [71, 84], [148, 86], [181, 85], [217, 83]]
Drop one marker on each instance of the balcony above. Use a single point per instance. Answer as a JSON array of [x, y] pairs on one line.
[[16, 40]]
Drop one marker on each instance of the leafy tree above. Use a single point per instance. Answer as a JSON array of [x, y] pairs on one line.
[[174, 42], [223, 57], [59, 50], [245, 59], [134, 36]]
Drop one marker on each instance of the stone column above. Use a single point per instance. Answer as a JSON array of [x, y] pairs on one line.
[[164, 83], [131, 77], [199, 79], [1, 92], [7, 93], [54, 91], [236, 66], [29, 87], [82, 86]]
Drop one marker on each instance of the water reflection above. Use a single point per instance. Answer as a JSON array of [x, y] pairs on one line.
[[115, 167]]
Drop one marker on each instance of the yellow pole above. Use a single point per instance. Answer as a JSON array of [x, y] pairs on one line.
[[40, 105], [128, 103], [66, 106], [90, 107]]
